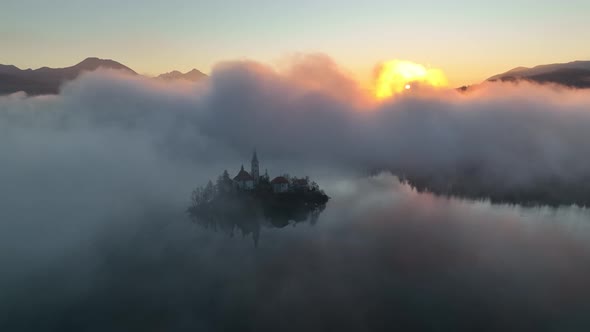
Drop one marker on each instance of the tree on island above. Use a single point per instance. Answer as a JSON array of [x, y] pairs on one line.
[[227, 206]]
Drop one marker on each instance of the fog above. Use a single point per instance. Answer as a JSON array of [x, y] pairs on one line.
[[380, 257], [515, 135], [94, 184]]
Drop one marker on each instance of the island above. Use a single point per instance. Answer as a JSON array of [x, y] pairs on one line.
[[250, 201]]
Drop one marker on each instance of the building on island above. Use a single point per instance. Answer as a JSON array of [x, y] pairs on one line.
[[300, 184], [280, 184], [254, 168], [244, 180], [248, 181]]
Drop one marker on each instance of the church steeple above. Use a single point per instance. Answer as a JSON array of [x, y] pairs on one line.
[[255, 170]]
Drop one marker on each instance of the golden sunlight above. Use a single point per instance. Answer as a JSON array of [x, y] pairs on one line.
[[395, 76]]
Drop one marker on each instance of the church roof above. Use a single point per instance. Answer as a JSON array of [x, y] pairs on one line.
[[279, 180], [243, 176]]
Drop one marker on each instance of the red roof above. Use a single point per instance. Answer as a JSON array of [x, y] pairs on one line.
[[243, 176], [279, 180]]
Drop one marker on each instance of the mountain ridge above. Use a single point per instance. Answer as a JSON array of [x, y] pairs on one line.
[[192, 75], [46, 80], [575, 74]]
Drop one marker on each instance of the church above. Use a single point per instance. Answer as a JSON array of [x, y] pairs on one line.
[[249, 181]]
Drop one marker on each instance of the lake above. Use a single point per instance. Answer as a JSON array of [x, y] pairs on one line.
[[379, 257]]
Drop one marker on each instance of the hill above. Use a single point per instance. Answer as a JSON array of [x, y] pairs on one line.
[[193, 76], [574, 74], [47, 80]]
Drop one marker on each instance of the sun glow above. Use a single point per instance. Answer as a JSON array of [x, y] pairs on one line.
[[395, 76]]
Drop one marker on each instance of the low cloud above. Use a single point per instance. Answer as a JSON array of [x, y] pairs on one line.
[[515, 134], [94, 183], [311, 112]]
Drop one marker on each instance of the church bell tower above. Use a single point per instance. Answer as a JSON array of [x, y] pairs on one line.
[[255, 170]]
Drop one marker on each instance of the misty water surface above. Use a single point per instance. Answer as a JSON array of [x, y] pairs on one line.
[[381, 256]]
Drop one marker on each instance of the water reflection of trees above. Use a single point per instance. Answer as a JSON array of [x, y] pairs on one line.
[[247, 212], [472, 185]]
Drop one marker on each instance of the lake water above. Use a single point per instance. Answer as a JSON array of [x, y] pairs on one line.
[[380, 257]]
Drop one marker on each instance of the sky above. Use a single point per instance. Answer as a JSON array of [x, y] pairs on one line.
[[468, 40]]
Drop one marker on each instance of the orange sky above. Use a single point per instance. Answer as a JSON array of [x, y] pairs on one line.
[[468, 40]]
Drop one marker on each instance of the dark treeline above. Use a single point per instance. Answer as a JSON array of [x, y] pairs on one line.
[[551, 191]]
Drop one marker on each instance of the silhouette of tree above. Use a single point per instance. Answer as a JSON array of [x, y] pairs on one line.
[[224, 207]]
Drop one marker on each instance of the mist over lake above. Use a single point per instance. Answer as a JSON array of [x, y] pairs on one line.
[[381, 256], [95, 184]]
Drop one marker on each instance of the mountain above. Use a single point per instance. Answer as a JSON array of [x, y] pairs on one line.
[[48, 80], [574, 74], [193, 76]]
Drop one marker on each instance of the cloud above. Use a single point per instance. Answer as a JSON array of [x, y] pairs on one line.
[[514, 134], [511, 137], [94, 183]]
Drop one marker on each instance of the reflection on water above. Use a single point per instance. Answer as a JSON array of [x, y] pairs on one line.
[[383, 257], [249, 215]]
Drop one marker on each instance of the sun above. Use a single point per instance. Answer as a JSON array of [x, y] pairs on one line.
[[396, 76]]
